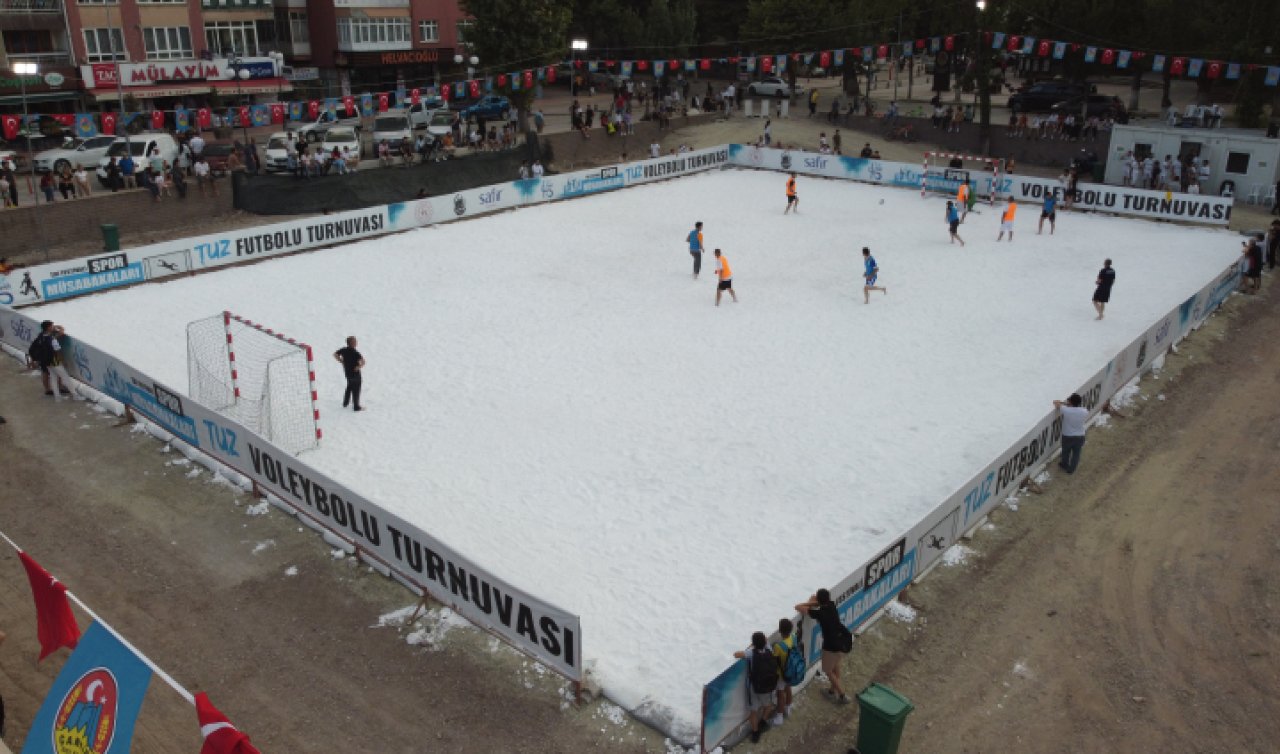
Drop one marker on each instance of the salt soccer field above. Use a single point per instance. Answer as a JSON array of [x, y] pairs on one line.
[[552, 394]]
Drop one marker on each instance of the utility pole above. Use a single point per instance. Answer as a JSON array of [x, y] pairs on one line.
[[982, 75]]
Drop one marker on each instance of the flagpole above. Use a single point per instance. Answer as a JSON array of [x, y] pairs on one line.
[[146, 660]]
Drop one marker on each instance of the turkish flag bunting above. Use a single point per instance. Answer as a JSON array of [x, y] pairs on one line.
[[349, 104], [55, 623], [11, 125], [415, 96], [444, 93], [766, 64], [313, 109], [474, 88], [1108, 56], [1043, 48], [919, 44], [1178, 67], [157, 120], [244, 116], [705, 64], [882, 51], [277, 113], [528, 79], [220, 736], [383, 102], [502, 79], [824, 60], [949, 43], [1215, 69]]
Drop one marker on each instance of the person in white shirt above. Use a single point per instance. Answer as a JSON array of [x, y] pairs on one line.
[[1166, 173], [1202, 175], [197, 145], [655, 150], [537, 169], [82, 181], [1175, 177], [524, 172], [1074, 415], [1193, 188]]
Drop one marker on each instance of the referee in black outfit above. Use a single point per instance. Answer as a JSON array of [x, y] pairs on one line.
[[352, 362]]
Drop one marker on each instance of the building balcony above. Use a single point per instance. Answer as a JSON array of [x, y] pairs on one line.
[[371, 3], [373, 46], [51, 58], [30, 6], [236, 4]]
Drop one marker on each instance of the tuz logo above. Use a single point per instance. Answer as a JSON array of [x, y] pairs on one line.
[[459, 205], [82, 363], [86, 720], [492, 196], [1142, 354], [786, 160], [884, 562]]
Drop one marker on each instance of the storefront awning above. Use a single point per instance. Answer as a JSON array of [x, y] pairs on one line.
[[143, 92], [253, 86]]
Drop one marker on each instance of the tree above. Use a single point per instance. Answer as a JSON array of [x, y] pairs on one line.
[[510, 35]]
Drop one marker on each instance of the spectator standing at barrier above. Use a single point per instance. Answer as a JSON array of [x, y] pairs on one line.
[[66, 184], [114, 179], [128, 171], [81, 179], [791, 669], [836, 640], [1102, 294], [537, 169], [46, 187], [352, 364], [45, 352], [1273, 244], [178, 177], [1074, 415], [696, 247], [197, 146], [204, 177], [13, 184], [762, 682], [4, 190], [1252, 266]]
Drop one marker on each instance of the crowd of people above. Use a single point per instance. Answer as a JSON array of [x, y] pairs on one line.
[[1148, 172]]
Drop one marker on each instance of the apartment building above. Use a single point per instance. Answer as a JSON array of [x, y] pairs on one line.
[[35, 31]]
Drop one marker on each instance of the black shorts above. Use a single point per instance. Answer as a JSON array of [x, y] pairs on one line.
[[1102, 295], [955, 226], [1050, 216], [792, 199], [726, 285]]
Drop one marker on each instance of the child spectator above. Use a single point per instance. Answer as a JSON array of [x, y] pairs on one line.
[[762, 682]]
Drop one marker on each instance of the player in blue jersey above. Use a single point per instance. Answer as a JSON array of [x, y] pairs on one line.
[[695, 248], [953, 221], [1048, 212], [870, 272]]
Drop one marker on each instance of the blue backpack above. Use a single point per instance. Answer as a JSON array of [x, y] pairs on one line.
[[793, 664]]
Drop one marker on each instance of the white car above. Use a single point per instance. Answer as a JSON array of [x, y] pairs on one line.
[[9, 159], [771, 86], [391, 127], [341, 137], [139, 146], [74, 153], [441, 123], [316, 130], [275, 158], [420, 114]]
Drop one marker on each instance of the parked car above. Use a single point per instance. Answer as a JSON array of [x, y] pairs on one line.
[[341, 137], [391, 127], [420, 114], [9, 159], [316, 130], [216, 153], [139, 147], [74, 153], [1042, 96], [275, 157], [489, 107], [1100, 105], [440, 124], [772, 86]]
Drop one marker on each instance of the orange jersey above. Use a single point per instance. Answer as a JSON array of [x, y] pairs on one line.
[[1009, 213], [791, 187], [962, 193], [722, 268]]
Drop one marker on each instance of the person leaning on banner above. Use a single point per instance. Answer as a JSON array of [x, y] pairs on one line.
[[1074, 416]]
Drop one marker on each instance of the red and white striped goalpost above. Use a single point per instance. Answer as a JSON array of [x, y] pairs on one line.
[[229, 317], [994, 162]]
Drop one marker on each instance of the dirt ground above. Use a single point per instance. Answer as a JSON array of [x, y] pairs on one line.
[[1129, 608]]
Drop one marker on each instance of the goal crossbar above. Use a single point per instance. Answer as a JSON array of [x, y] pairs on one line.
[[996, 164]]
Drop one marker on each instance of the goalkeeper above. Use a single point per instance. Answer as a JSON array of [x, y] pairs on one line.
[[352, 362]]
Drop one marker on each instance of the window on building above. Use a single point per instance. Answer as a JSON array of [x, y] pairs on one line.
[[462, 28], [226, 38], [158, 2], [372, 31], [428, 31], [298, 29], [167, 43], [1238, 162], [1141, 151], [97, 2], [103, 45], [28, 41]]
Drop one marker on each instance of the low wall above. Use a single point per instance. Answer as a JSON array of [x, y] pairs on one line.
[[862, 594], [29, 230], [569, 151]]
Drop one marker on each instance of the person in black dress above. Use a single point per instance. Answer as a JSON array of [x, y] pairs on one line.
[[1102, 294]]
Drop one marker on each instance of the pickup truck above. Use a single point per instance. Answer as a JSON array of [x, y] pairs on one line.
[[489, 107], [314, 132]]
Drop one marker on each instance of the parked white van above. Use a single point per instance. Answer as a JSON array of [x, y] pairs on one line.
[[139, 146]]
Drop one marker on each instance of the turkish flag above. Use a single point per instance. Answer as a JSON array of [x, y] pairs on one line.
[[766, 64], [55, 623], [220, 736], [109, 123], [641, 64], [1108, 56], [444, 94], [1178, 66], [157, 120], [551, 73], [882, 52], [383, 102], [349, 104], [949, 43], [204, 118], [474, 88], [528, 79], [824, 60], [1215, 70], [919, 44], [415, 96], [65, 119], [243, 114], [1015, 44], [11, 125], [313, 109], [502, 79], [1043, 48], [705, 64], [277, 112], [674, 64]]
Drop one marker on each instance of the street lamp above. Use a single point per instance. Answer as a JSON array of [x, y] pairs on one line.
[[22, 70], [471, 61], [577, 45], [241, 73]]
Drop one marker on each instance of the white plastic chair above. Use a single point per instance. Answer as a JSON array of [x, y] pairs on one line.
[[1270, 199], [1255, 194]]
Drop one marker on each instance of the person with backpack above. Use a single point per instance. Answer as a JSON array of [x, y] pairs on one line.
[[762, 681], [45, 352], [792, 666], [836, 640]]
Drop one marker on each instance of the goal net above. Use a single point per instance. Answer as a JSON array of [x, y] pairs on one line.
[[945, 172], [261, 378]]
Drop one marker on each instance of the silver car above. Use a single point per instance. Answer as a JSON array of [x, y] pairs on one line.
[[772, 86], [74, 153]]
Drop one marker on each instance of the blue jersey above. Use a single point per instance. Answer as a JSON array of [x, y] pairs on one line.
[[869, 267], [953, 214], [695, 240], [1049, 203]]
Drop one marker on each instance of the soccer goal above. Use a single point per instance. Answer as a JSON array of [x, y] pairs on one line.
[[259, 377], [944, 177]]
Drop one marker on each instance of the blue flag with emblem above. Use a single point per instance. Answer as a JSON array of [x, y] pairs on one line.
[[1273, 76], [366, 105], [1059, 50], [997, 40], [1157, 64], [94, 702], [295, 111], [1233, 70], [181, 119], [85, 125]]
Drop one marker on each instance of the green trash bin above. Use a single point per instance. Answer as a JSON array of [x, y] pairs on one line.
[[1099, 172], [110, 237], [883, 716]]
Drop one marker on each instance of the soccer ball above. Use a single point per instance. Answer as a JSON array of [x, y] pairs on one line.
[[882, 201]]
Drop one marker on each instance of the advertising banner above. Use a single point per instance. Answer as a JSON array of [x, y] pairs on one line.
[[548, 633], [872, 585]]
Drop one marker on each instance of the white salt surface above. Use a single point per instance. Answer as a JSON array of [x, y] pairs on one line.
[[552, 394]]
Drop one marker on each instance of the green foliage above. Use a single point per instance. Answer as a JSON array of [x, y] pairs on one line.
[[510, 35], [662, 28]]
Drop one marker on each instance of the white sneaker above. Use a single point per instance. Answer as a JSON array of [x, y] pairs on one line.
[[777, 720]]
